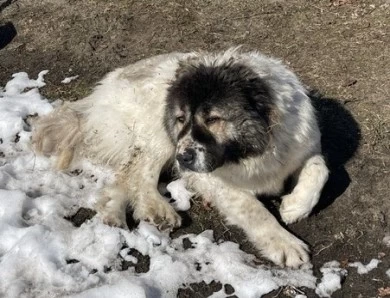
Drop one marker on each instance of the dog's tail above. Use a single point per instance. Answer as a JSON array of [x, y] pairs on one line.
[[58, 133]]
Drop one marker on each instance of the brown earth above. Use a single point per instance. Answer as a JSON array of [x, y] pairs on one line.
[[340, 48]]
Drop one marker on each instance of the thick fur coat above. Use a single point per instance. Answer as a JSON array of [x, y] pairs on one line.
[[234, 124]]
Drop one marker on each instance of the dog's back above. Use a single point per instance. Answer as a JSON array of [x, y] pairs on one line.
[[121, 116]]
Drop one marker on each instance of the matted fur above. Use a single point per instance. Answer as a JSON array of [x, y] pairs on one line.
[[125, 123]]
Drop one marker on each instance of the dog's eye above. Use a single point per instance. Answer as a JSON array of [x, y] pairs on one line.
[[180, 119], [212, 120]]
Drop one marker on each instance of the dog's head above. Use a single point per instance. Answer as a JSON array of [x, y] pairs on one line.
[[217, 114]]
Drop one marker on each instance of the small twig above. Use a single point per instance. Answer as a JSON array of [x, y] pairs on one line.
[[360, 236], [227, 230], [325, 247]]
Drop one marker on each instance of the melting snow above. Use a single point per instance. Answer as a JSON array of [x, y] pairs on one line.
[[69, 79], [332, 276], [180, 195], [364, 269]]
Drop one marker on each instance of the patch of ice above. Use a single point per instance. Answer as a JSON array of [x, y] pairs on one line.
[[364, 269], [69, 79], [332, 276]]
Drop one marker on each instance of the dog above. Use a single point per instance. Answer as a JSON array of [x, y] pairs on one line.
[[234, 124]]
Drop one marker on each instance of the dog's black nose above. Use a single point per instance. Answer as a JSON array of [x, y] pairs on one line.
[[187, 158]]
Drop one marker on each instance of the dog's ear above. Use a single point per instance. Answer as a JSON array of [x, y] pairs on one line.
[[260, 98], [258, 93], [186, 67]]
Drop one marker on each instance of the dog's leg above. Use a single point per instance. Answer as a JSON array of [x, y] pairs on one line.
[[242, 209], [151, 207], [137, 186], [305, 196], [112, 205], [274, 242]]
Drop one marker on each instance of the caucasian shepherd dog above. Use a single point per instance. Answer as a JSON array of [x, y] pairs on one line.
[[235, 125]]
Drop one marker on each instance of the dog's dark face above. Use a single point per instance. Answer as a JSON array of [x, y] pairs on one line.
[[217, 115]]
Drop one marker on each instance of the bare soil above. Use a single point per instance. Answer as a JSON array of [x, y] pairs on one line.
[[339, 48]]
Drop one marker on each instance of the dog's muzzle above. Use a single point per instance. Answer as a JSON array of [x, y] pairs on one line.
[[187, 158]]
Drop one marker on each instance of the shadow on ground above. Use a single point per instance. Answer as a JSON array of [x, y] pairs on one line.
[[340, 139], [7, 34]]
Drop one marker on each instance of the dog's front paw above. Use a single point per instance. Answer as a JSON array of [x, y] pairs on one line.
[[111, 215], [159, 213], [114, 220], [284, 249], [295, 207], [111, 208]]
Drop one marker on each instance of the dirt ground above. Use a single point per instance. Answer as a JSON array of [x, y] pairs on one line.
[[339, 48]]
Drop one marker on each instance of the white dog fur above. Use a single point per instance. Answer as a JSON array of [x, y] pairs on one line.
[[121, 124]]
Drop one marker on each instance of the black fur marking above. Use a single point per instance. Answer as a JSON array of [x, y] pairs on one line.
[[208, 86], [237, 91], [202, 135], [234, 152], [184, 131]]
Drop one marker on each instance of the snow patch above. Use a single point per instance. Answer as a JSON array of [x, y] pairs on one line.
[[124, 288], [21, 81], [125, 254], [19, 99], [364, 269], [180, 194], [69, 79], [332, 276]]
